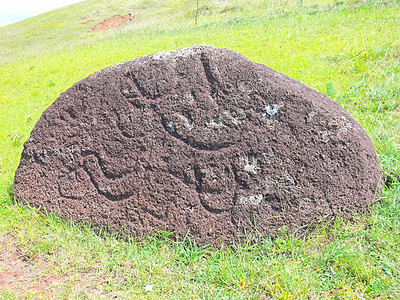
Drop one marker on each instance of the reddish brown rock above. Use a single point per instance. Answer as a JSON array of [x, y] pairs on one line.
[[201, 141]]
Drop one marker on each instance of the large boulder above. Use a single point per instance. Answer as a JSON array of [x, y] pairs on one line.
[[198, 141]]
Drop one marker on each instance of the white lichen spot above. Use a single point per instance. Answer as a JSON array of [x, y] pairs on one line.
[[346, 125], [252, 163], [216, 122], [251, 200], [186, 122], [233, 117], [324, 136], [184, 52], [250, 166], [310, 116], [271, 110], [148, 288], [171, 127], [336, 129]]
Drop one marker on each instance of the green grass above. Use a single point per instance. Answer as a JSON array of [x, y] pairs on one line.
[[348, 50]]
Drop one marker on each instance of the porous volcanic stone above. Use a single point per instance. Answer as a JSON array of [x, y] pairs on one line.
[[198, 141]]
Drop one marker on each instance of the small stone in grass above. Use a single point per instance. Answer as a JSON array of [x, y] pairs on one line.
[[149, 288]]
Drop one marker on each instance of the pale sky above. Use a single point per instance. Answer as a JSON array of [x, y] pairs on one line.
[[12, 11]]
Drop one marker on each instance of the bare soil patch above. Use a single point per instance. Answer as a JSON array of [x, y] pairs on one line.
[[19, 275], [112, 22]]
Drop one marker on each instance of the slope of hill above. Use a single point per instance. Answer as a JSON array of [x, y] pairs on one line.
[[71, 26], [348, 50]]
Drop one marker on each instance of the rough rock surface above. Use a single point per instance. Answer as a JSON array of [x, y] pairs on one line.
[[198, 140]]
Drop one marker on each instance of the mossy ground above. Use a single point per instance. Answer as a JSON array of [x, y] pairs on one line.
[[346, 49]]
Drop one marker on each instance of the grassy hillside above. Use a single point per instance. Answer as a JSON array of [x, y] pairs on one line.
[[348, 50], [69, 26]]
